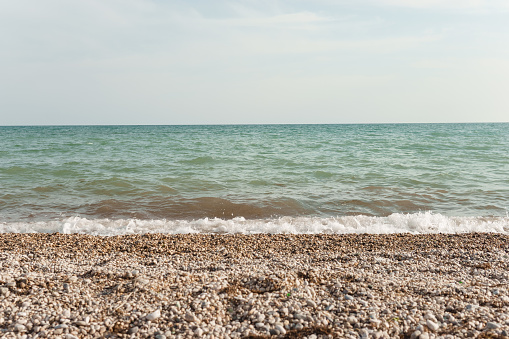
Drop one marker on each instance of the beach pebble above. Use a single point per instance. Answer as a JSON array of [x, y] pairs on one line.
[[352, 320], [492, 325], [432, 325], [190, 317], [348, 297], [20, 328], [280, 329], [470, 307], [154, 315], [311, 303], [133, 330]]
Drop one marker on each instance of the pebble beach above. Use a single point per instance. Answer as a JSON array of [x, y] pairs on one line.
[[254, 286]]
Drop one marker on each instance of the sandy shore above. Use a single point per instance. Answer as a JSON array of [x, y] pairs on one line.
[[258, 286]]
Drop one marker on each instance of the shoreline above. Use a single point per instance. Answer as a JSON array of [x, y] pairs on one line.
[[258, 286]]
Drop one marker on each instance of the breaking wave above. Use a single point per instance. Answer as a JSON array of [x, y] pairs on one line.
[[417, 223]]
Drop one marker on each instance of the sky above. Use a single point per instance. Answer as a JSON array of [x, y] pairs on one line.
[[253, 61]]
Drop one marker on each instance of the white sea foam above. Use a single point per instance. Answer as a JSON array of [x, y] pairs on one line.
[[418, 223]]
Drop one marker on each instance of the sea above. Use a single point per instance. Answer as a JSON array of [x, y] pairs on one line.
[[297, 179]]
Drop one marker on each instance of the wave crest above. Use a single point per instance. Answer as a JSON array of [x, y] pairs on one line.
[[417, 223]]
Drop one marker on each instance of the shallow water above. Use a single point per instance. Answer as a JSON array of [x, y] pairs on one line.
[[258, 178]]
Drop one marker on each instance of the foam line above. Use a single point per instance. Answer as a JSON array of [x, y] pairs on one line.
[[417, 223]]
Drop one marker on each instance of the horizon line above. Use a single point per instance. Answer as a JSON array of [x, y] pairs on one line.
[[262, 124]]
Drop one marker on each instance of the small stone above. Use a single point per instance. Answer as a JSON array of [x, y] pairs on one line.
[[470, 307], [190, 317], [299, 316], [81, 323], [66, 314], [424, 335], [415, 335], [133, 330], [348, 297], [299, 327], [492, 326], [19, 328], [432, 325], [70, 336], [198, 332], [471, 334], [154, 315], [311, 303], [280, 329], [351, 319], [142, 281]]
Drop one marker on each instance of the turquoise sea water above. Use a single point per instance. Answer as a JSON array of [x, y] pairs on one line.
[[255, 177]]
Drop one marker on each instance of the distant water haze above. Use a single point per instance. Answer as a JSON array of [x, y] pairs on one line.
[[375, 178]]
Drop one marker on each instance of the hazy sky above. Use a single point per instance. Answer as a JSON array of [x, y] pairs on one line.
[[291, 61]]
